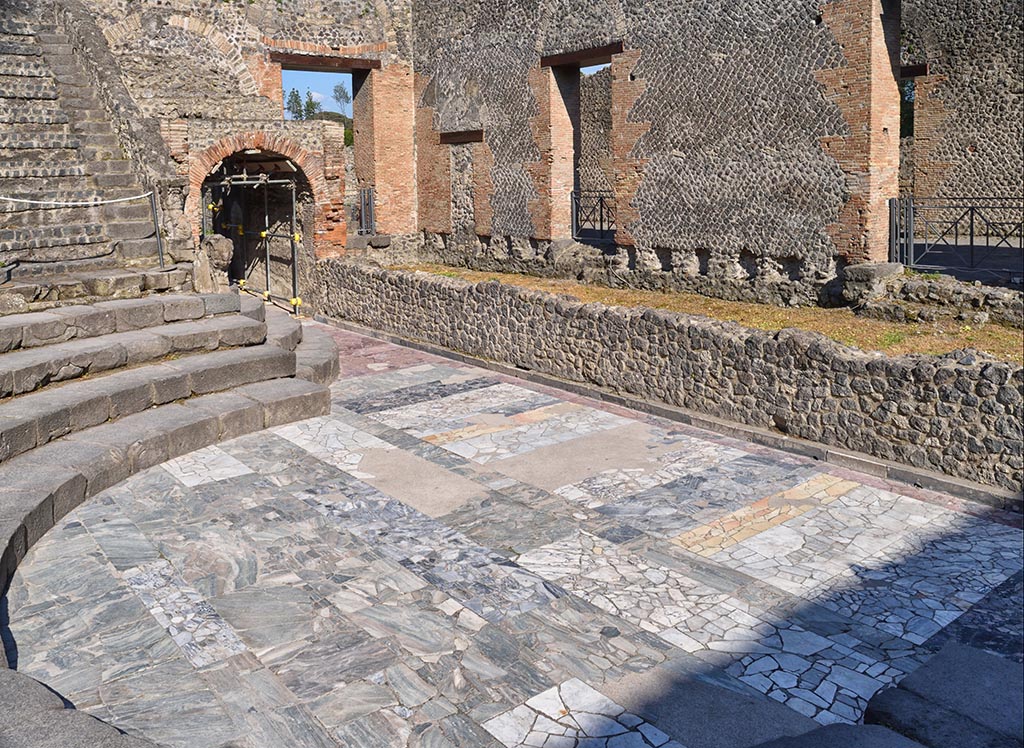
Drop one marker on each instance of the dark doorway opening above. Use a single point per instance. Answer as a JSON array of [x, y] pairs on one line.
[[262, 202]]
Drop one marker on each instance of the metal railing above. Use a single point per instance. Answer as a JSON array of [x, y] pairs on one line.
[[969, 238], [593, 216], [365, 217]]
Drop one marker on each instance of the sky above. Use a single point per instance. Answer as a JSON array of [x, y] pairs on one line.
[[320, 84]]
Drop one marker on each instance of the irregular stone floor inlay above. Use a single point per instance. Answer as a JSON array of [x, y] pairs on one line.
[[458, 558]]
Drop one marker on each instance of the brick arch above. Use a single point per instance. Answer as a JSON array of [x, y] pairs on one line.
[[328, 221]]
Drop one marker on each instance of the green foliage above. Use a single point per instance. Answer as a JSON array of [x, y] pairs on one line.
[[349, 136], [341, 95], [293, 105], [310, 108]]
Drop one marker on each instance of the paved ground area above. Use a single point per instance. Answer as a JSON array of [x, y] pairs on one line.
[[457, 558]]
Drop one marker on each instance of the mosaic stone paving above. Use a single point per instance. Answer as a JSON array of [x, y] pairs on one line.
[[459, 558]]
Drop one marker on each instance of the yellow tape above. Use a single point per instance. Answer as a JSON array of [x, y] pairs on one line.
[[241, 231], [263, 235], [211, 206], [241, 283], [297, 237], [295, 302]]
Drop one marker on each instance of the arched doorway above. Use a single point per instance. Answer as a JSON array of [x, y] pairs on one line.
[[262, 202]]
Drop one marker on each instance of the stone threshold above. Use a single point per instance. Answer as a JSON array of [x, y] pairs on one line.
[[993, 496]]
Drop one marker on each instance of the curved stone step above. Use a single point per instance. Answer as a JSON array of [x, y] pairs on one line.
[[30, 369], [316, 356], [38, 418], [32, 709], [62, 324], [46, 483], [42, 290], [283, 329]]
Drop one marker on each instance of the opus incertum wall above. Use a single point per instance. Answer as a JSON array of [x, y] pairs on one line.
[[958, 414], [751, 147]]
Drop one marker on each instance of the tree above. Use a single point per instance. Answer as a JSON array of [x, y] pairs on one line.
[[311, 108], [293, 105], [341, 95]]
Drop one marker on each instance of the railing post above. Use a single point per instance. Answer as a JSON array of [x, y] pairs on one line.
[[156, 226]]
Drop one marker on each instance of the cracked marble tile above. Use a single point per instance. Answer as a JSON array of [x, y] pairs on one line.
[[206, 466], [333, 441], [609, 486], [697, 498], [574, 715], [806, 552], [920, 584]]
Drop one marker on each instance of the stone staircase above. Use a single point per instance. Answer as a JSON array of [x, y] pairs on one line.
[[90, 394], [57, 146]]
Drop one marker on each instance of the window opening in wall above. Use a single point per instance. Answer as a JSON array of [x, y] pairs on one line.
[[908, 93], [318, 96], [593, 197]]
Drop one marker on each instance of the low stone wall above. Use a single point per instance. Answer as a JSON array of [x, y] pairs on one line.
[[736, 279], [958, 414]]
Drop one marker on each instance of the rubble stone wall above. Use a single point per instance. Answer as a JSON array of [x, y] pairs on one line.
[[958, 414]]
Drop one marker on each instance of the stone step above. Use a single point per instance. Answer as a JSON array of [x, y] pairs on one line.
[[30, 369], [23, 156], [22, 87], [14, 171], [67, 189], [37, 419], [81, 193], [138, 249], [35, 216], [14, 27], [961, 698], [101, 279], [51, 237], [43, 485], [19, 49], [283, 329], [32, 114], [844, 736], [317, 355], [26, 67], [62, 324], [50, 37]]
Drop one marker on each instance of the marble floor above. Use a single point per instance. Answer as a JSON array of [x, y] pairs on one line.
[[459, 558]]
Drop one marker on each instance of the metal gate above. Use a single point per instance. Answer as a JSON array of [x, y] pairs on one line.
[[593, 217], [969, 238], [365, 216], [245, 189]]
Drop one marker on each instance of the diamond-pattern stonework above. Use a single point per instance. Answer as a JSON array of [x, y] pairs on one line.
[[457, 558]]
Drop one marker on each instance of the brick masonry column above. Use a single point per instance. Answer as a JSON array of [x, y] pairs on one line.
[[394, 148], [867, 93], [556, 91], [628, 170], [433, 169]]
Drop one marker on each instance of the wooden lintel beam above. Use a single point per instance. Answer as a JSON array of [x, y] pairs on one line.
[[462, 136], [583, 57], [323, 63]]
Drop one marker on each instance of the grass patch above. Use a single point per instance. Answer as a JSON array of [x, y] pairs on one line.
[[842, 325]]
